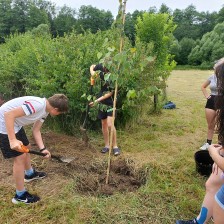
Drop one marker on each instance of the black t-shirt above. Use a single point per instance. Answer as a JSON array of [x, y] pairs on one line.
[[104, 85]]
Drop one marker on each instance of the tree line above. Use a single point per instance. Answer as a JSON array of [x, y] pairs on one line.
[[188, 37], [34, 63]]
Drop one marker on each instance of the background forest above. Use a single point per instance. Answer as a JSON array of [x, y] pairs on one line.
[[194, 30], [46, 49]]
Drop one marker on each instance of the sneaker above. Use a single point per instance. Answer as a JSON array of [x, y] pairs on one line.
[[116, 151], [105, 150], [35, 176], [205, 146], [26, 198], [187, 222]]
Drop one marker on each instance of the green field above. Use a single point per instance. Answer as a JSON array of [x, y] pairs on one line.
[[163, 144]]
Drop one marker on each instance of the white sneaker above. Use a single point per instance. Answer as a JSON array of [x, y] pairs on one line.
[[205, 146]]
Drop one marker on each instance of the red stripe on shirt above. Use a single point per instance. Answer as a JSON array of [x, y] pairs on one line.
[[31, 106]]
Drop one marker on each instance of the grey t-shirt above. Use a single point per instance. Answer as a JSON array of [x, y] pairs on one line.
[[213, 84]]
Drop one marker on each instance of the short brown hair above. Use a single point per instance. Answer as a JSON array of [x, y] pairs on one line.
[[59, 101]]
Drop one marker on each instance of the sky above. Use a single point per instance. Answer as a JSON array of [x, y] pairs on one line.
[[132, 5]]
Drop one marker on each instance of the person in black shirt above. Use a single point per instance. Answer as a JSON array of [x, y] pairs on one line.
[[105, 97]]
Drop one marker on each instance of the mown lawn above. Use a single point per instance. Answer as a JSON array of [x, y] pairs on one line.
[[161, 144]]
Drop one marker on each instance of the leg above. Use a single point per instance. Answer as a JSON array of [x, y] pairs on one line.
[[212, 185], [105, 131], [18, 171], [110, 126], [27, 160], [210, 117], [218, 214]]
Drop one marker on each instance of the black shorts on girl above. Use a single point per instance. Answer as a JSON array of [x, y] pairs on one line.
[[211, 103], [5, 146], [104, 114]]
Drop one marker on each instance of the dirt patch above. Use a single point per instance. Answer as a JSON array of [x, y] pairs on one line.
[[88, 170], [122, 178]]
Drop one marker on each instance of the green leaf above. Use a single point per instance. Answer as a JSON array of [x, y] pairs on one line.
[[131, 94], [99, 55]]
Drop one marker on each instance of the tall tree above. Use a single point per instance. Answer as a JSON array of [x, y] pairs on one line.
[[221, 15], [157, 29], [130, 22], [209, 48], [192, 24], [19, 12], [65, 20], [36, 15], [6, 17], [93, 19], [165, 9]]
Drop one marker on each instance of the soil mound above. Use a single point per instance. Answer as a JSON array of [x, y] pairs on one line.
[[88, 170]]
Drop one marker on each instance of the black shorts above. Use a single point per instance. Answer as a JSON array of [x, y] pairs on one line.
[[5, 146], [104, 114], [211, 103]]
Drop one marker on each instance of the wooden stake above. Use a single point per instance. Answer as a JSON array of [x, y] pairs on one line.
[[115, 93]]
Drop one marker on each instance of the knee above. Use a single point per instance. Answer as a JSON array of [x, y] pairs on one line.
[[109, 125], [20, 159], [211, 186]]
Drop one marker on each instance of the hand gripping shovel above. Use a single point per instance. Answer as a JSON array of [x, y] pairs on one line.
[[58, 158]]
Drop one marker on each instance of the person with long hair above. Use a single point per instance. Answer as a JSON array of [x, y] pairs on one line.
[[216, 179], [210, 110]]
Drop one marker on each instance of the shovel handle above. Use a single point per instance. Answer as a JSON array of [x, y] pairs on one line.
[[37, 153], [44, 154], [26, 150]]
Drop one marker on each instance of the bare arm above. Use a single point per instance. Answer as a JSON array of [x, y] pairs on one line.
[[105, 96], [10, 117], [215, 152], [38, 137], [91, 69], [37, 134], [204, 90]]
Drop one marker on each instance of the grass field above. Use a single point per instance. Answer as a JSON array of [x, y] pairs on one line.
[[163, 144]]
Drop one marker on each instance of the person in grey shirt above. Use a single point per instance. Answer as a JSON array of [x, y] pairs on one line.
[[210, 110]]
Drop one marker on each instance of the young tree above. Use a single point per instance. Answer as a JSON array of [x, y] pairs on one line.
[[65, 20], [158, 30], [186, 45]]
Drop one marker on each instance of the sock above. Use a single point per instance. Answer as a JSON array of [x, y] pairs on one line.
[[20, 193], [203, 215], [29, 172], [209, 142]]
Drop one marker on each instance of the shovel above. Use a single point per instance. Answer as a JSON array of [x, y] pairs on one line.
[[83, 127], [58, 158]]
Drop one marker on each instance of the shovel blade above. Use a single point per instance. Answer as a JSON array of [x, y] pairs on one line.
[[67, 159]]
